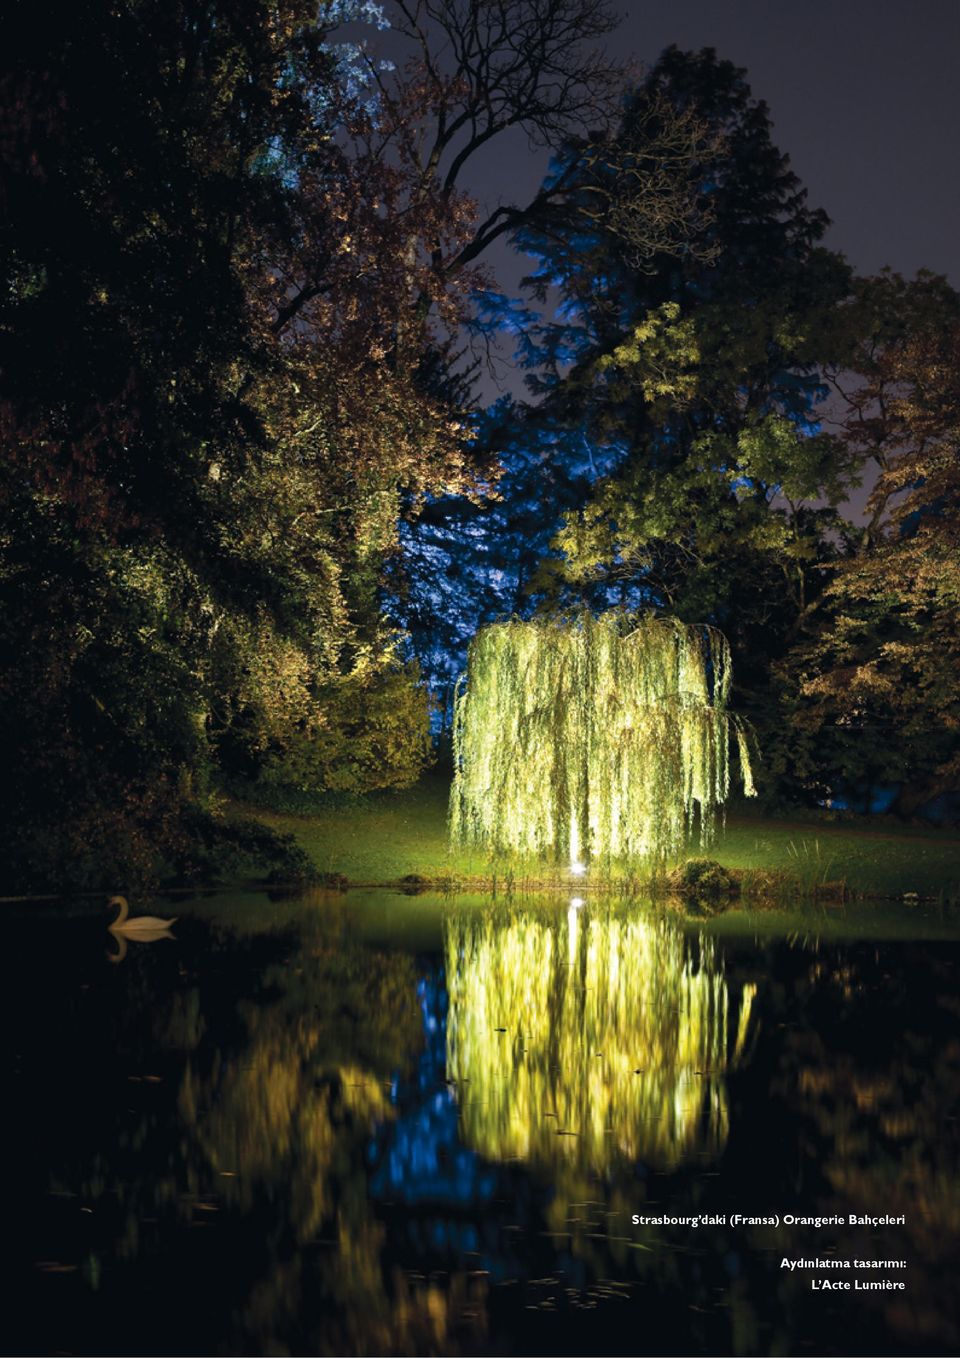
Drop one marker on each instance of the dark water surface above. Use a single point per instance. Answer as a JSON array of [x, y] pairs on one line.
[[378, 1124]]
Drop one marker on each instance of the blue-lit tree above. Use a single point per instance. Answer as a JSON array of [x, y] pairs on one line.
[[702, 367], [670, 457]]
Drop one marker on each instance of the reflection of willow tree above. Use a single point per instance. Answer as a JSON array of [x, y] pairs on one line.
[[619, 1032]]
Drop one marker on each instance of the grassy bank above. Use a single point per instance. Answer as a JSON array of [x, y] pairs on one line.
[[389, 837]]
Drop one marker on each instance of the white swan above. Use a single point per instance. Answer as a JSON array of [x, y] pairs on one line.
[[143, 927]]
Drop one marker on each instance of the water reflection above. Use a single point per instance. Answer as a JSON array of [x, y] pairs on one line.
[[873, 1084], [590, 1036], [314, 1144], [118, 953]]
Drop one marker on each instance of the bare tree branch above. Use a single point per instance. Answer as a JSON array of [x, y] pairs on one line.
[[483, 67]]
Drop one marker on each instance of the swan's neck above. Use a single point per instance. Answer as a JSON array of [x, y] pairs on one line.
[[121, 901]]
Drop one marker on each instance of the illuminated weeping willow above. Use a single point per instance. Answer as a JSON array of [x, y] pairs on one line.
[[583, 1040], [593, 738]]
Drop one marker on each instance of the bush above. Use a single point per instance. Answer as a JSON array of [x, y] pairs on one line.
[[368, 733], [704, 877], [213, 848]]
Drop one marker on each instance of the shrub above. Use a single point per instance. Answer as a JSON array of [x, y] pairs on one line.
[[367, 733], [704, 877]]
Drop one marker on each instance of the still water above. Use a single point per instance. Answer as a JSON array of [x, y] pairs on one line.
[[382, 1124]]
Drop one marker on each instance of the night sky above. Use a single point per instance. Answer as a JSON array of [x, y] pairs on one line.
[[864, 96]]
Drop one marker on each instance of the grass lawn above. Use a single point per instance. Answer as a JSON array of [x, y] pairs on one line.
[[386, 837]]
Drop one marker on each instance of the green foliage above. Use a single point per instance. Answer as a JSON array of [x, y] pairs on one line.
[[698, 381], [593, 739], [660, 357], [208, 428], [728, 501], [704, 877], [101, 710], [366, 733], [214, 848], [874, 680]]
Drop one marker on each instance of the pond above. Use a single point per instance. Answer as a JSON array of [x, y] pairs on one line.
[[374, 1123]]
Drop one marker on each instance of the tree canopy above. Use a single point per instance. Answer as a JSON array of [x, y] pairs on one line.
[[244, 457]]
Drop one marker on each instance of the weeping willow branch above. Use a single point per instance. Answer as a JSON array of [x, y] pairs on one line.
[[584, 739]]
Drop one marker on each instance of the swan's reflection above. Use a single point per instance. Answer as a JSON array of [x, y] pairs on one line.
[[145, 936], [588, 1037]]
